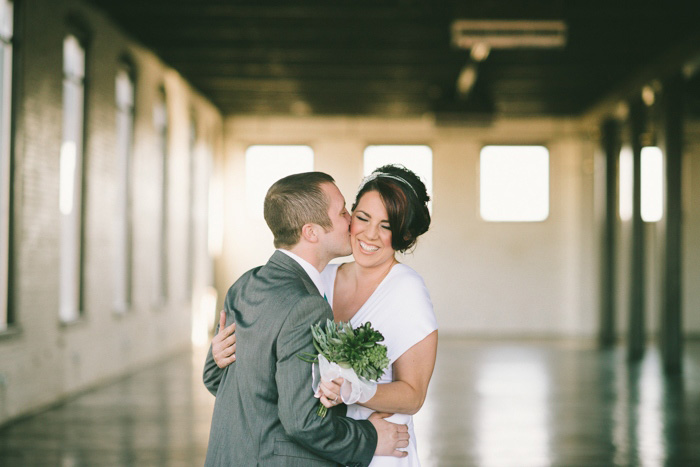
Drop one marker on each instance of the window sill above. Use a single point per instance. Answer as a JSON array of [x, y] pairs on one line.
[[80, 321]]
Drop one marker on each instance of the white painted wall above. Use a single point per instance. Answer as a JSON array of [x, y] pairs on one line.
[[486, 279]]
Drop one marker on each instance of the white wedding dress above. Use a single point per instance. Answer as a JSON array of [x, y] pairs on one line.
[[400, 308]]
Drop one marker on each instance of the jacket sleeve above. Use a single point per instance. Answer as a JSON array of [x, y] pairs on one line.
[[340, 439]]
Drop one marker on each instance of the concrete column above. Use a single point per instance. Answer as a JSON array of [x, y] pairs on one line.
[[671, 329], [636, 331], [610, 139]]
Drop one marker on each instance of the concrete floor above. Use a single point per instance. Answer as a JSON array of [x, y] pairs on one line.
[[491, 403]]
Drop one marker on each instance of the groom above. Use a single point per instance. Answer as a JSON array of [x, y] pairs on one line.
[[265, 412]]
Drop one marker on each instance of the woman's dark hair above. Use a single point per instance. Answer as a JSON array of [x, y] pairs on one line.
[[406, 201]]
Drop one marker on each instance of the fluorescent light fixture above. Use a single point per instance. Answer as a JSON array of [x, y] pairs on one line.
[[505, 34]]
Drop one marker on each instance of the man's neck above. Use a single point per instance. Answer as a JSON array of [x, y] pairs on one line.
[[309, 253]]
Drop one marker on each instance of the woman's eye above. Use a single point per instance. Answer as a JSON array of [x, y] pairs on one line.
[[386, 227], [361, 218]]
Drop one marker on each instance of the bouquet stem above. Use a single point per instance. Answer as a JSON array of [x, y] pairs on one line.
[[322, 410]]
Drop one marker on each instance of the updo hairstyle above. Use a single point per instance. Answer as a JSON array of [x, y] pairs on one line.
[[406, 201]]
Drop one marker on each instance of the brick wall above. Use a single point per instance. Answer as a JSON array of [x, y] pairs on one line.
[[43, 361]]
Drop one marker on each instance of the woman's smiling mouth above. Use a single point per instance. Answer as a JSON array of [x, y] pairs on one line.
[[366, 247]]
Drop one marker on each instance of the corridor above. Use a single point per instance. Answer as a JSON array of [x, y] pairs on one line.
[[491, 403]]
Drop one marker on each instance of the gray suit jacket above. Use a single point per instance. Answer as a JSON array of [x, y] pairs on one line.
[[265, 412]]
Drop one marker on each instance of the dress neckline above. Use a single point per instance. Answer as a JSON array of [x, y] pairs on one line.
[[370, 298]]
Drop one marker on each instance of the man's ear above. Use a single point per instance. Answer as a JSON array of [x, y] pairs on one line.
[[308, 232]]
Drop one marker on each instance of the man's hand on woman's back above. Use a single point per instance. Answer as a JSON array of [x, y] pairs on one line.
[[390, 436]]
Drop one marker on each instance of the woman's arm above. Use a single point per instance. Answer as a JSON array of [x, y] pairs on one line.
[[406, 394]]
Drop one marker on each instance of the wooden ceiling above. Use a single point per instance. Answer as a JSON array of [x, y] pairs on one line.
[[396, 58]]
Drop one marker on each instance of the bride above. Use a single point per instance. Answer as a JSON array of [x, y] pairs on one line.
[[389, 214]]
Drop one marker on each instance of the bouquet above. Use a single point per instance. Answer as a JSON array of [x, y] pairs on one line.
[[354, 354]]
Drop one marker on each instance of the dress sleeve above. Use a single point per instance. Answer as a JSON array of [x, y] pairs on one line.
[[410, 310]]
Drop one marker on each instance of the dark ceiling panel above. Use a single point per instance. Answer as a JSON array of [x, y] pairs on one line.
[[395, 57]]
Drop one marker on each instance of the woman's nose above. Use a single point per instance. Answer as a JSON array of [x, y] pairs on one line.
[[372, 231]]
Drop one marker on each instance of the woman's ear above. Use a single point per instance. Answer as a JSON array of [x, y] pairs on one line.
[[308, 232]]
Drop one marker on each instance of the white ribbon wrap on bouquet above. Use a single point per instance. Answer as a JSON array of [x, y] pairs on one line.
[[353, 390]]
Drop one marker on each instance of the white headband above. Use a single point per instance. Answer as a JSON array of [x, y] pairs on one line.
[[375, 175]]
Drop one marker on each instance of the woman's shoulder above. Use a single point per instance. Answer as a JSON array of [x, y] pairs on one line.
[[404, 274], [405, 285]]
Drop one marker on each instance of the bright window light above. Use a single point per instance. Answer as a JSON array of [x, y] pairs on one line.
[[67, 177], [514, 183], [652, 184], [265, 164], [626, 183], [418, 158], [215, 231]]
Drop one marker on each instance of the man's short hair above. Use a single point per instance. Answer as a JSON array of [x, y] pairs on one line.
[[293, 201]]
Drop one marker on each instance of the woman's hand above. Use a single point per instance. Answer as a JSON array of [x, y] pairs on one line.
[[223, 345], [329, 392]]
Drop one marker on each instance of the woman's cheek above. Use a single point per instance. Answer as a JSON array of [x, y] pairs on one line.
[[354, 227]]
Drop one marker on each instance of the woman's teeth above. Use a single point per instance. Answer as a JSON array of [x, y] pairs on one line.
[[366, 247]]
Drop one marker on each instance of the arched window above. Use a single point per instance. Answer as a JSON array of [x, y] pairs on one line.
[[161, 123], [6, 20], [124, 100], [71, 179]]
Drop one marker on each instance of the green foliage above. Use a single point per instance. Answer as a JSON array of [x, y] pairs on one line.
[[358, 349]]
